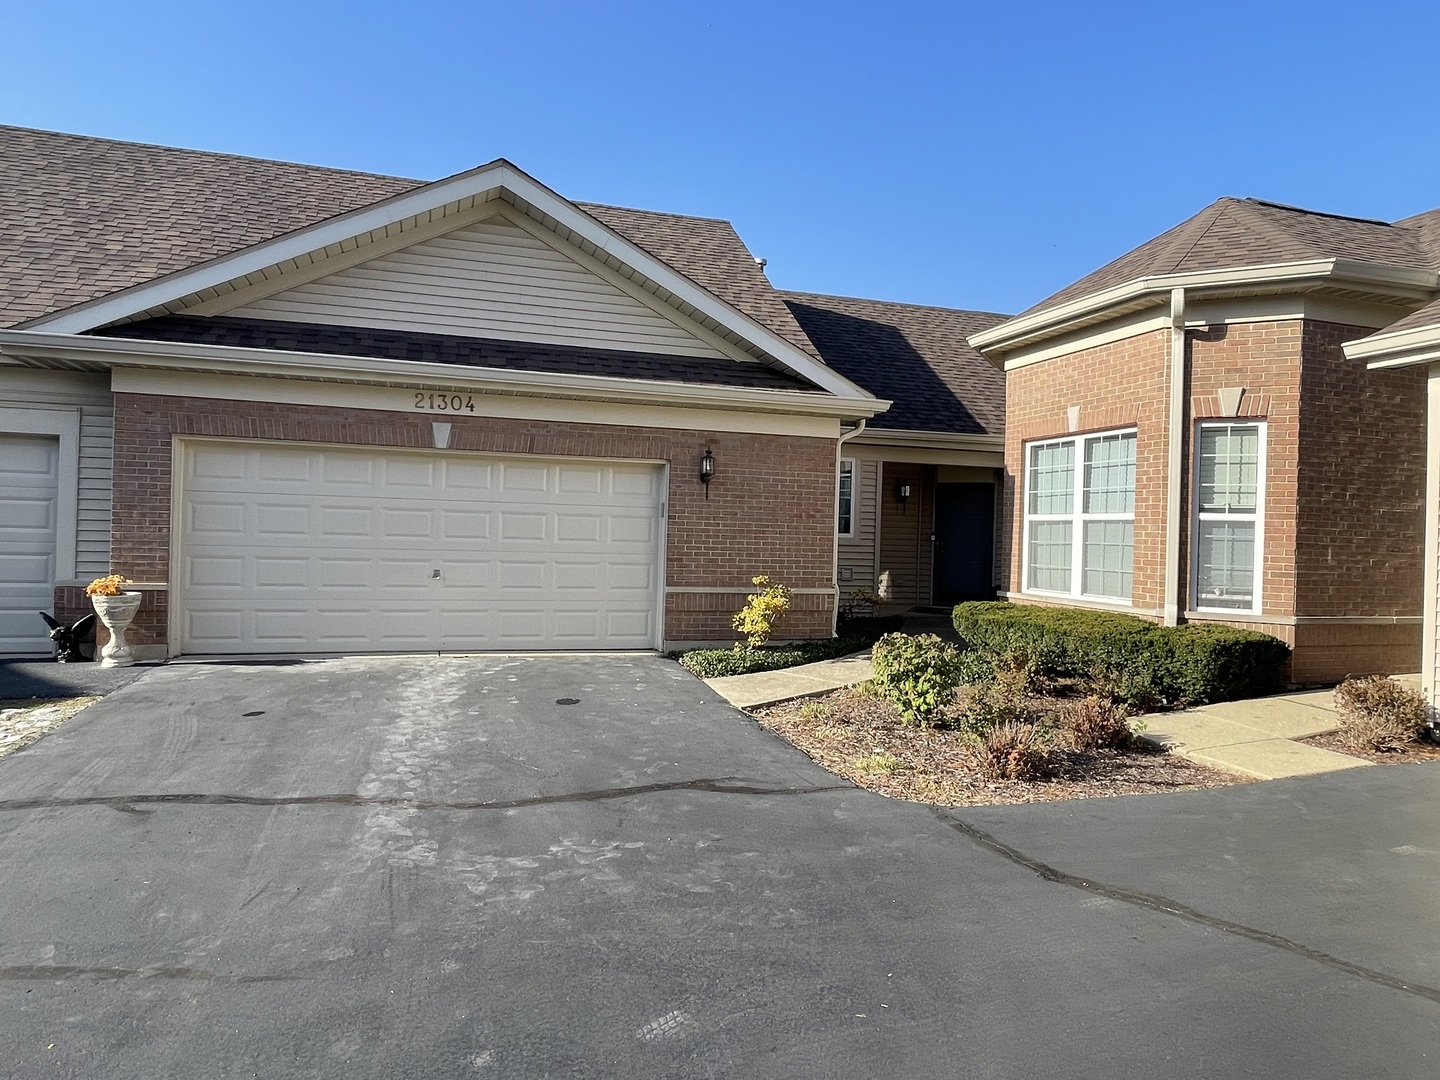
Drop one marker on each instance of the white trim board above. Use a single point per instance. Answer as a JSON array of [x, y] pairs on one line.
[[400, 400], [186, 357]]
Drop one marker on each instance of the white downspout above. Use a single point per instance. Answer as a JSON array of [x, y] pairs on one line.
[[1176, 462], [835, 519]]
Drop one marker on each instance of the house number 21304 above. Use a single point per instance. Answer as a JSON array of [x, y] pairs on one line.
[[445, 402]]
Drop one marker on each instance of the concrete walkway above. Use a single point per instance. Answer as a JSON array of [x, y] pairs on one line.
[[1255, 738]]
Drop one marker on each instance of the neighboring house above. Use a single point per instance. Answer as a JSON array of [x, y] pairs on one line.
[[1187, 439], [310, 410]]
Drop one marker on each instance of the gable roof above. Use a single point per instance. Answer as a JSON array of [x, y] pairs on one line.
[[917, 357], [84, 217], [1251, 232]]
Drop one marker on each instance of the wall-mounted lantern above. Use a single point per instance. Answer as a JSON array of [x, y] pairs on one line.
[[707, 470], [902, 494]]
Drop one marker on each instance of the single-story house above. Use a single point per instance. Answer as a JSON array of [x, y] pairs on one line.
[[1192, 437], [310, 410]]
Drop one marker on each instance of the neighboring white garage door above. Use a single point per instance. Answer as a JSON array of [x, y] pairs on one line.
[[298, 549], [29, 499]]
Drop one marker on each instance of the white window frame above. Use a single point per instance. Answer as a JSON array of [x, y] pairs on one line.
[[1258, 517], [1077, 518], [854, 502]]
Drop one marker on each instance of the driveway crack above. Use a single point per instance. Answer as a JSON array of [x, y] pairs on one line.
[[131, 804], [1167, 906]]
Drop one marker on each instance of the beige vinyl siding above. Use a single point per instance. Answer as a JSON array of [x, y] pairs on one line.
[[90, 394], [492, 279], [857, 553], [92, 524], [905, 555]]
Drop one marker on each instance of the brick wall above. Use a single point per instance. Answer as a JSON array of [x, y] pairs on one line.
[[1344, 498], [1360, 544], [770, 510], [1118, 385], [1264, 360]]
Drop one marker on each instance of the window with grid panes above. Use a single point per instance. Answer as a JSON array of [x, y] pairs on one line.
[[1229, 486], [1080, 516]]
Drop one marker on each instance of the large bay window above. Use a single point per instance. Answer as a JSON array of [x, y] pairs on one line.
[[1229, 514], [1080, 516]]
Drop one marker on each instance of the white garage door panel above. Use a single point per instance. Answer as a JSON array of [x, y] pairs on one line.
[[29, 505], [295, 549]]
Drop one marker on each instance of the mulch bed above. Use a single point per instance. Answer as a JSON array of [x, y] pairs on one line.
[[1415, 752], [861, 738]]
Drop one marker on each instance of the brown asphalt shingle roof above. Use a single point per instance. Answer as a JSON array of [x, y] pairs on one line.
[[1250, 232], [452, 349], [918, 357], [1427, 316], [82, 217]]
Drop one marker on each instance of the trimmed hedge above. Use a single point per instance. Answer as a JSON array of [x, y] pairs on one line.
[[1134, 658], [854, 636]]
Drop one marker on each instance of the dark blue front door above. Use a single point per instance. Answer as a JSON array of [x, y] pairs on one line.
[[964, 542]]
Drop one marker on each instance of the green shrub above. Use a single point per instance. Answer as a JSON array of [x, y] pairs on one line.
[[1096, 723], [1377, 713], [976, 668], [1011, 751], [1128, 657], [993, 704], [857, 635], [918, 673]]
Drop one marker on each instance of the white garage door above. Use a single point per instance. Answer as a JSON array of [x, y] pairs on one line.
[[29, 498], [299, 549]]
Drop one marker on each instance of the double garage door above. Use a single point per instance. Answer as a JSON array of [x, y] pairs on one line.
[[321, 549]]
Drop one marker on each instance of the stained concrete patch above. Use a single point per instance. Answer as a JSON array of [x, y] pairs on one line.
[[21, 723]]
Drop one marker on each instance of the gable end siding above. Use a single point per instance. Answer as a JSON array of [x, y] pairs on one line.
[[491, 279]]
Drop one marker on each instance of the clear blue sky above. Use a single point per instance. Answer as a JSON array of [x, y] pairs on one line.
[[970, 155]]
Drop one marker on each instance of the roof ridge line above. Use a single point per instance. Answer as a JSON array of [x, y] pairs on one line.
[[892, 303]]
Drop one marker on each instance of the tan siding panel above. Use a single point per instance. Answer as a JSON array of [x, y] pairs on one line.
[[92, 522], [491, 279]]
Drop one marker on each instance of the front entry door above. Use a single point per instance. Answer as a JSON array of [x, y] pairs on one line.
[[964, 542]]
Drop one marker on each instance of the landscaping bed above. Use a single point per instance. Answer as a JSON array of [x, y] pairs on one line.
[[861, 736], [854, 635], [1404, 755]]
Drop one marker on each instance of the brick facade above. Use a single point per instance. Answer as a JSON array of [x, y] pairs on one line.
[[1344, 477], [770, 508]]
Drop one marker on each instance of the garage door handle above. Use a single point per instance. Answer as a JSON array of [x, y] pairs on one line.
[[434, 574]]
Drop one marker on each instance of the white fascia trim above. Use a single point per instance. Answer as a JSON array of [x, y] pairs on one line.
[[231, 360], [1042, 323], [480, 182], [939, 440], [1418, 345]]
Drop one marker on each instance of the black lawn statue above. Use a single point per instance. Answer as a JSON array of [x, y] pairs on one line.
[[68, 639]]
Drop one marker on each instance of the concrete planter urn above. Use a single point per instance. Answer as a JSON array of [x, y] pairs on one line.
[[117, 612]]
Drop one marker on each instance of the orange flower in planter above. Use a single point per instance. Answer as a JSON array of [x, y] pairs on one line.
[[110, 585]]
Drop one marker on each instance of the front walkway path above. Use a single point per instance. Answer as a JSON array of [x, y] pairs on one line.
[[1255, 737]]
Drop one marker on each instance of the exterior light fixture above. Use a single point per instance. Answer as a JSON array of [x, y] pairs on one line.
[[707, 470], [902, 494]]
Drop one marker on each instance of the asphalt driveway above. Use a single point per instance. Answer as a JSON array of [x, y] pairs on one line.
[[590, 866]]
